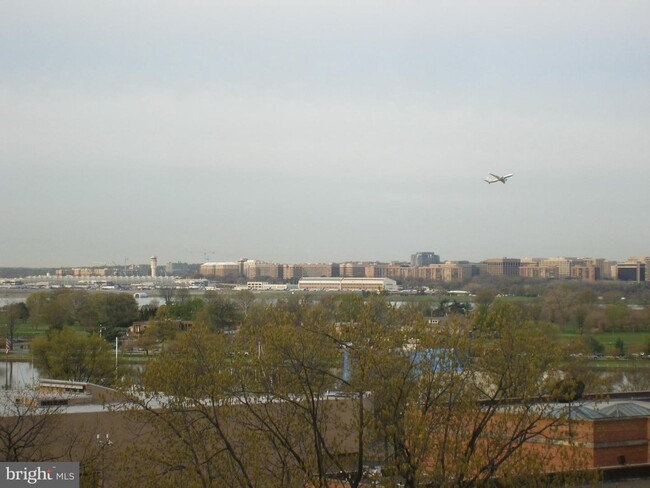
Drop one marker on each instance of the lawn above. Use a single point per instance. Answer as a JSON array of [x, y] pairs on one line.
[[635, 342]]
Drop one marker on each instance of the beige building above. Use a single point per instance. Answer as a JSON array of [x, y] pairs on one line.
[[448, 271], [352, 270], [296, 271], [445, 272], [259, 269], [86, 272], [319, 270], [534, 270], [393, 271], [503, 266], [563, 264], [225, 270], [589, 272], [291, 271]]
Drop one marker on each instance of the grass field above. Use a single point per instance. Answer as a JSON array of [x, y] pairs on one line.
[[28, 331], [620, 364], [636, 347]]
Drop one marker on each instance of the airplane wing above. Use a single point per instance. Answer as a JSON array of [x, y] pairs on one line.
[[497, 177]]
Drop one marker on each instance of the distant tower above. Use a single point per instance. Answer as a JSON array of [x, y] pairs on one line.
[[154, 265]]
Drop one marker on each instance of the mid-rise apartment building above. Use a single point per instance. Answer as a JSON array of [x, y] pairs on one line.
[[352, 270], [254, 270], [503, 266], [223, 270]]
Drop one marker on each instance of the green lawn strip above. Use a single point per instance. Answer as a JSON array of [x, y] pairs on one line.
[[635, 342], [628, 364]]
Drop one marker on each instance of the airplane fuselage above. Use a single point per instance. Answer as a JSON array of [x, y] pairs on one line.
[[497, 178]]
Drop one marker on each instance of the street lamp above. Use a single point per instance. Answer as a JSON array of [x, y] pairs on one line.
[[103, 444]]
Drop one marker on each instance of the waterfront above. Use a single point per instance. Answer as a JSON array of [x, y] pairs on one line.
[[16, 375], [18, 297]]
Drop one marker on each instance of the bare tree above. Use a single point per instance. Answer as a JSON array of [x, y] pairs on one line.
[[27, 428]]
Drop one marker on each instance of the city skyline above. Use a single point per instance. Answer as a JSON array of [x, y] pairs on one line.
[[316, 132], [408, 261]]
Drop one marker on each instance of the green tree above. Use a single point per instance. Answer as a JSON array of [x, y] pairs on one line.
[[13, 314], [55, 308], [219, 313], [256, 408], [185, 310], [617, 316], [620, 347], [439, 401], [67, 355], [193, 413], [117, 312], [580, 317], [587, 296], [350, 307], [557, 305], [593, 345]]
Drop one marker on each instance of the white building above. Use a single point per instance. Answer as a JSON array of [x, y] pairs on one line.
[[348, 284], [266, 286]]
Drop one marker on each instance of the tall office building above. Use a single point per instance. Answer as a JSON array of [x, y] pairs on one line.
[[424, 259]]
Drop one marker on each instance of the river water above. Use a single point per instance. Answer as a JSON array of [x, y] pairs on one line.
[[9, 299], [17, 374]]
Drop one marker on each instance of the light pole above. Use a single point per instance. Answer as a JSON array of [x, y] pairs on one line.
[[103, 444]]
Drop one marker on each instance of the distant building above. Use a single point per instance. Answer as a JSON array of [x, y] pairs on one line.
[[154, 266], [631, 271], [309, 270], [175, 269], [424, 259], [265, 286], [352, 270], [393, 271], [259, 269], [604, 267], [563, 264], [503, 266], [348, 284], [447, 272], [225, 270], [588, 272], [84, 272], [535, 270]]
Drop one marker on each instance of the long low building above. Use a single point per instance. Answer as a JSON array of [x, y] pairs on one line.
[[348, 284]]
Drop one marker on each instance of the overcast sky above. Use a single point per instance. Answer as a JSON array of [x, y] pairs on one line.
[[308, 131]]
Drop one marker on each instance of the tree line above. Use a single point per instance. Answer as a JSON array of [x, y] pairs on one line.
[[300, 392], [305, 392]]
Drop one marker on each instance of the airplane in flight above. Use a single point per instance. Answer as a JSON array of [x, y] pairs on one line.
[[497, 178]]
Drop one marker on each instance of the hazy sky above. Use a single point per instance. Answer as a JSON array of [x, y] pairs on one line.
[[295, 131]]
